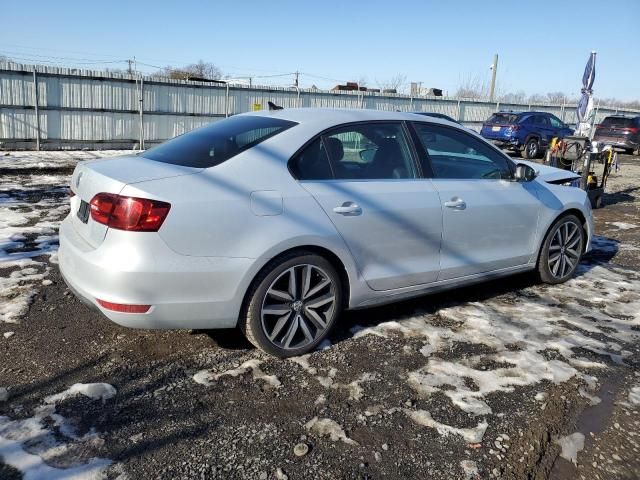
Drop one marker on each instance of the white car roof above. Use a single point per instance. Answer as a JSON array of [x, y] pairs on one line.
[[327, 117]]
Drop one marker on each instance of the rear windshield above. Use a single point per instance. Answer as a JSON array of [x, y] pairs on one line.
[[211, 145], [618, 122], [503, 118]]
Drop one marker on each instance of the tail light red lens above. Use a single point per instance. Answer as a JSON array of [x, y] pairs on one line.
[[119, 307], [631, 130], [128, 213]]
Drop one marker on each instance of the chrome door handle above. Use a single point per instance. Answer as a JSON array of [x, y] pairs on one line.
[[348, 209], [456, 204]]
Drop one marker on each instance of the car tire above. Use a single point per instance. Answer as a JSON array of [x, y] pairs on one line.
[[531, 148], [629, 151], [292, 304], [561, 250]]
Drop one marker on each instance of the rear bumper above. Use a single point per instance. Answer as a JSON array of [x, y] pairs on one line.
[[138, 268], [503, 142], [617, 142]]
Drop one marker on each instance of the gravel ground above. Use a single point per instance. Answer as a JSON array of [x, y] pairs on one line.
[[482, 382]]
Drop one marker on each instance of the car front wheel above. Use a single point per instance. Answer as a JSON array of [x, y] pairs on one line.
[[562, 250], [292, 304]]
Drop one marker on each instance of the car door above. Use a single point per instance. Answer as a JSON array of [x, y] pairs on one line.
[[365, 178], [489, 220]]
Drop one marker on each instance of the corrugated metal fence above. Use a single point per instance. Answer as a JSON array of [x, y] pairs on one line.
[[56, 107]]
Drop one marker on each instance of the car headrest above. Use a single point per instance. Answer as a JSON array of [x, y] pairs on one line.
[[335, 148]]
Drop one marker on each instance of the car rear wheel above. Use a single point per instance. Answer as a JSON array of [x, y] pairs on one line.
[[531, 148], [292, 304], [562, 250]]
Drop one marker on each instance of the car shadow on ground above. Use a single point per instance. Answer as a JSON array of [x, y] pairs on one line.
[[623, 196]]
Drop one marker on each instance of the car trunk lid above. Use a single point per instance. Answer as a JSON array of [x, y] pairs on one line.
[[111, 176]]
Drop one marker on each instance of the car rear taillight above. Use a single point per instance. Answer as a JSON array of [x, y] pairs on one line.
[[123, 308], [631, 130], [599, 126], [128, 213]]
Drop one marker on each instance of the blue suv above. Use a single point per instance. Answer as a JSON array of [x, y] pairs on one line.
[[527, 132]]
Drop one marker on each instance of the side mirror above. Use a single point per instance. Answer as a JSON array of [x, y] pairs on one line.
[[524, 173]]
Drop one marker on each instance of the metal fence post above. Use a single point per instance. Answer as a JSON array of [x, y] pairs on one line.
[[459, 112], [141, 113], [36, 107], [226, 102]]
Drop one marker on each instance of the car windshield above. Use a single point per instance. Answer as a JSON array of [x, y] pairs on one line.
[[503, 118], [618, 122], [211, 145]]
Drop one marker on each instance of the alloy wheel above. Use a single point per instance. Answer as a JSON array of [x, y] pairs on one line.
[[298, 306], [564, 250], [532, 149]]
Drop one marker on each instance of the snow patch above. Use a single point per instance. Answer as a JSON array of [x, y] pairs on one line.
[[634, 396], [94, 391], [470, 435], [570, 445], [329, 428], [207, 378], [623, 225], [31, 445], [470, 469]]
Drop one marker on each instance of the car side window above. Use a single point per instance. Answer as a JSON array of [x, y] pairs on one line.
[[370, 151], [455, 154], [555, 122], [312, 163]]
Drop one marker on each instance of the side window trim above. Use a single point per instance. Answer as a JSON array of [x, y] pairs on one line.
[[510, 163]]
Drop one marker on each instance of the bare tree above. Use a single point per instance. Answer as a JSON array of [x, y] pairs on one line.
[[198, 70], [537, 98], [474, 87], [556, 97], [397, 83], [517, 97]]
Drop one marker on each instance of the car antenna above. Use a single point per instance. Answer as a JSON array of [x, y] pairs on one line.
[[273, 106]]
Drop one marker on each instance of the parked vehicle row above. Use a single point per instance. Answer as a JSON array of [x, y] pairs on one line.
[[530, 133]]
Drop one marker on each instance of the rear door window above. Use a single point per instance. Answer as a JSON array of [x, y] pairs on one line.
[[370, 151], [211, 145]]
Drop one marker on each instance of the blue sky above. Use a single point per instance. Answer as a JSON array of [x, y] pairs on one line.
[[543, 45]]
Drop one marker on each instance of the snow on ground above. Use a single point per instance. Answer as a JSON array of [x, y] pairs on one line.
[[31, 207], [541, 333], [47, 446], [622, 225], [53, 159], [207, 378], [329, 428], [571, 445]]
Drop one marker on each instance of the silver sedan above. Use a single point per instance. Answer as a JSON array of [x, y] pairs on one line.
[[276, 222]]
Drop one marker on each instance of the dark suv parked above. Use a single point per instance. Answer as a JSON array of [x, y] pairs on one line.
[[527, 132], [619, 131]]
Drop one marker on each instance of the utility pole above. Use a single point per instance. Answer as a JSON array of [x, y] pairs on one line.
[[494, 69], [296, 80], [129, 69]]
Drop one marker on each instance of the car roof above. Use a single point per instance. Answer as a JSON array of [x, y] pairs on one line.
[[336, 116]]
